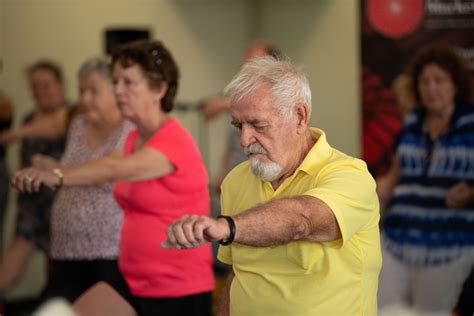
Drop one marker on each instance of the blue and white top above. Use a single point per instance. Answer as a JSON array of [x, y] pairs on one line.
[[419, 228]]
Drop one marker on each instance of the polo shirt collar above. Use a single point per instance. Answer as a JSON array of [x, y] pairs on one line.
[[317, 155]]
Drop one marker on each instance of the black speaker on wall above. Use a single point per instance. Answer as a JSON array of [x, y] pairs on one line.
[[118, 36]]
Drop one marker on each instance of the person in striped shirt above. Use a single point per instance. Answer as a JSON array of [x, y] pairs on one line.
[[428, 226]]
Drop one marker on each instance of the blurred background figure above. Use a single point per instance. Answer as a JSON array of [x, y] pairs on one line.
[[6, 118], [402, 88], [403, 91], [32, 226], [86, 220], [427, 231]]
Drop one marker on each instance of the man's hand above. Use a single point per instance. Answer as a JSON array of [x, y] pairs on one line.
[[194, 231]]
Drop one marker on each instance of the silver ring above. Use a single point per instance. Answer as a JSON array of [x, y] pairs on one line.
[[28, 179]]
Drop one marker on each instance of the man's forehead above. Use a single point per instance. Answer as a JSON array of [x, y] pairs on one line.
[[260, 95], [253, 112]]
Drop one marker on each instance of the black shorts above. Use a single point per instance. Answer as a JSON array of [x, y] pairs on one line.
[[196, 305], [69, 279], [33, 218]]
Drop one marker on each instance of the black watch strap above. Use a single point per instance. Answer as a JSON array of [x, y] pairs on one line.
[[231, 223]]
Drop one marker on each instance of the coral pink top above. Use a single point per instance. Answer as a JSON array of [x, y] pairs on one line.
[[150, 206]]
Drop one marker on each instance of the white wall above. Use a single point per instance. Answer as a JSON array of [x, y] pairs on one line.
[[322, 36], [207, 38], [2, 13]]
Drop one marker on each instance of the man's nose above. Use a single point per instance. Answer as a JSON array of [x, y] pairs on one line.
[[246, 136]]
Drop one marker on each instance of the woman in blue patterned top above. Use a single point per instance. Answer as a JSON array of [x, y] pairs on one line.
[[428, 229]]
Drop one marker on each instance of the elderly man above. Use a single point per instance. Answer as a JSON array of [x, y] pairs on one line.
[[301, 218]]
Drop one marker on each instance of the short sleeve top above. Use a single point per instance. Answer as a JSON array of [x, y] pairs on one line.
[[151, 205]]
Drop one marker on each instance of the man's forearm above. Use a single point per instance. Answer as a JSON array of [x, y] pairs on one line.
[[284, 220], [274, 223]]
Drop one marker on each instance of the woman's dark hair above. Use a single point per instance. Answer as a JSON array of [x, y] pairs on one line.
[[157, 64], [447, 58], [48, 65]]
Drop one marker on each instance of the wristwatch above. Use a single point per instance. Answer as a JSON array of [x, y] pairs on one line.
[[231, 223]]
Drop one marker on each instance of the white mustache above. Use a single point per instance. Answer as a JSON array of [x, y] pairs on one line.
[[255, 148]]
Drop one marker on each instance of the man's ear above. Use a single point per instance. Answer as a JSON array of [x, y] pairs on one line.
[[301, 117]]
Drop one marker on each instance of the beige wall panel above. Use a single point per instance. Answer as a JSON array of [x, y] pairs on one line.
[[323, 36]]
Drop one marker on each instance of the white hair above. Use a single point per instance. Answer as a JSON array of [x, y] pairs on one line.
[[288, 84], [97, 65]]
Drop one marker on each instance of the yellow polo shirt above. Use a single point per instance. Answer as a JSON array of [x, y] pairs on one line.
[[309, 278]]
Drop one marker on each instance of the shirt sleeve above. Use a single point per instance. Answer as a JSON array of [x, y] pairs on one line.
[[173, 143], [349, 191], [224, 254]]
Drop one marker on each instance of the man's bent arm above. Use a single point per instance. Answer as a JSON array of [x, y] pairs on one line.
[[273, 223], [284, 220]]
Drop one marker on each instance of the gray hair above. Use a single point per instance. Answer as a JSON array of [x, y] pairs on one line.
[[96, 65], [288, 84]]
